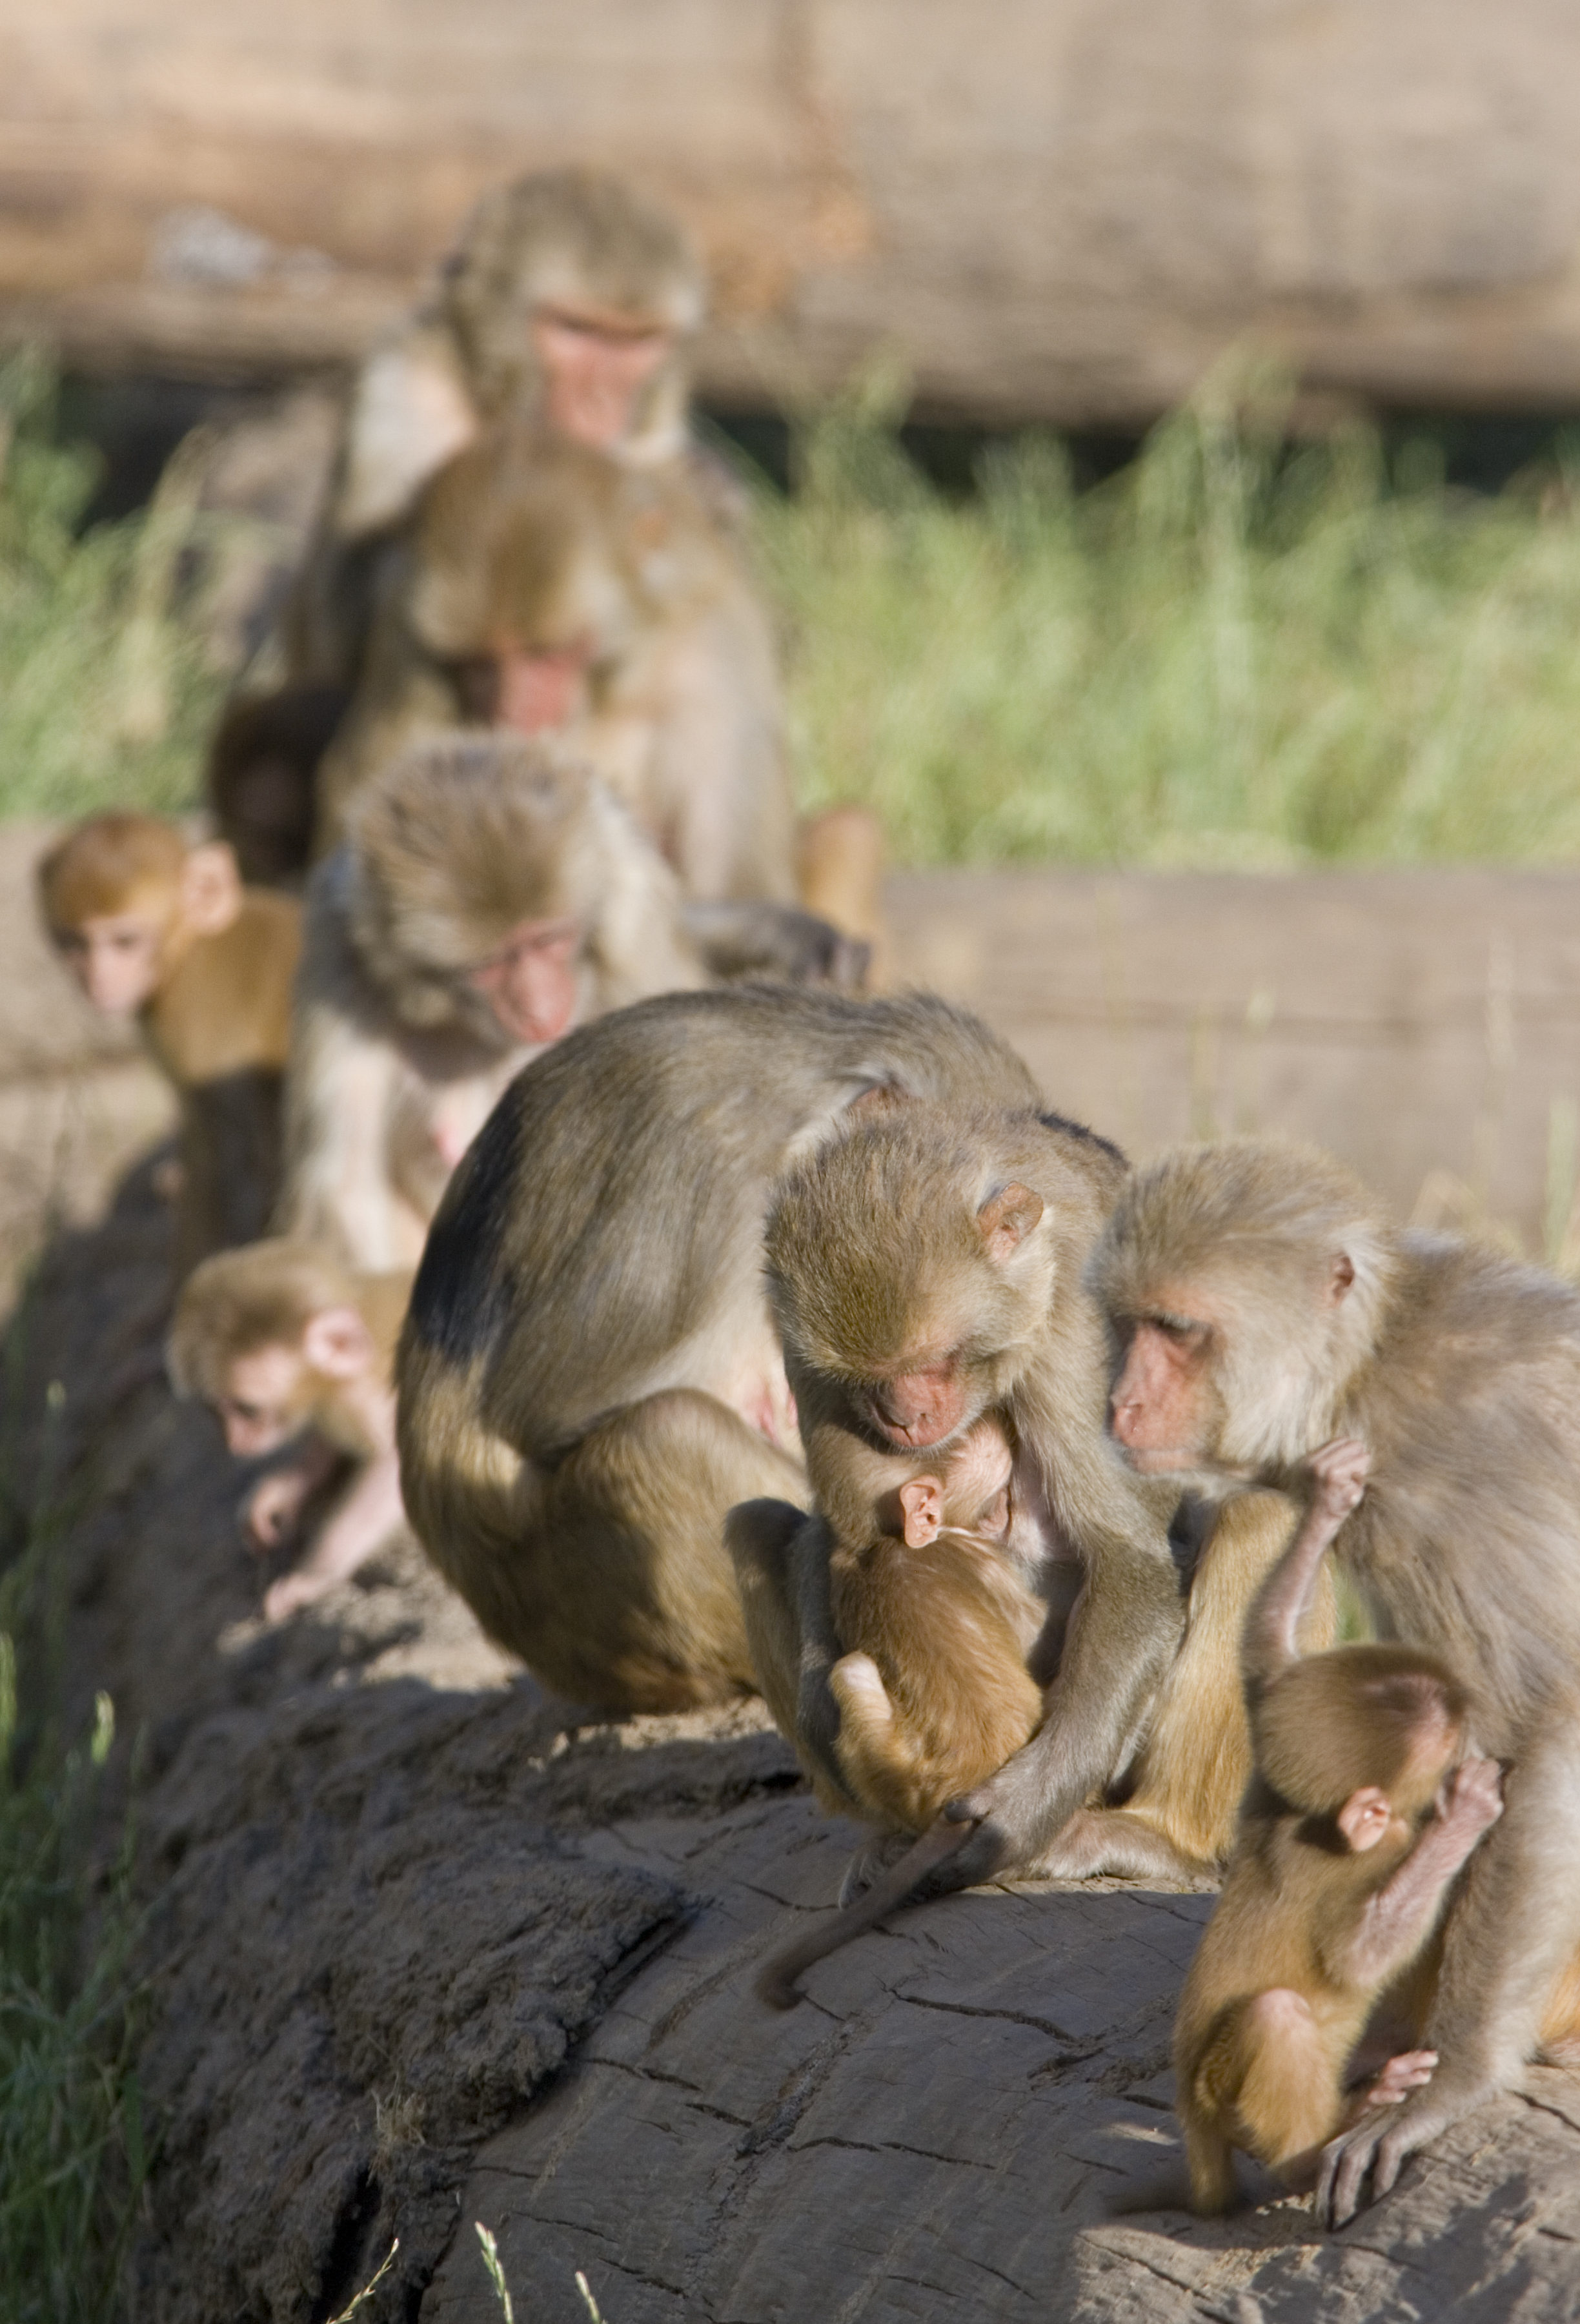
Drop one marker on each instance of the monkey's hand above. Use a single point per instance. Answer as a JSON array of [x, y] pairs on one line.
[[1380, 2143], [1013, 1825], [282, 1598], [1338, 1475], [1471, 1800], [272, 1510]]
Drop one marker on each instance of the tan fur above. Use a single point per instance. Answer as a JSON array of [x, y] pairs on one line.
[[217, 1022], [588, 1377], [1298, 1313], [395, 1057]]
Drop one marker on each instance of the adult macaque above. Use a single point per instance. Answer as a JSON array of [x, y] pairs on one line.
[[155, 928], [925, 1270], [590, 1375], [490, 896], [1259, 1306], [292, 1349], [1365, 1803], [545, 588]]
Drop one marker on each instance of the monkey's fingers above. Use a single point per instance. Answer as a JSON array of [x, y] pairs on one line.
[[775, 1981]]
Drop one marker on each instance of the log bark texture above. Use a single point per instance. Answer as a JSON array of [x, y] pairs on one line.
[[1060, 209]]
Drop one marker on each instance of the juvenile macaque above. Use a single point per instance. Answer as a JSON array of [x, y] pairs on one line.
[[1258, 1306], [925, 1270], [292, 1349], [590, 1375], [1365, 1803], [155, 928], [491, 894]]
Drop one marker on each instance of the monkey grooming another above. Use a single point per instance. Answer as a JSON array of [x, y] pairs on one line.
[[590, 1375], [1361, 1810], [291, 1349], [152, 927], [1257, 1307]]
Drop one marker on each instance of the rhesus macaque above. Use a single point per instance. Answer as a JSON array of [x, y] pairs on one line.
[[590, 1376], [925, 1270], [1365, 1803], [560, 330], [155, 928], [262, 772], [491, 894], [292, 1349], [546, 588], [1258, 1306]]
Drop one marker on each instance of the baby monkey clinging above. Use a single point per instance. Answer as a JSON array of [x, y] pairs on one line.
[[1363, 1806]]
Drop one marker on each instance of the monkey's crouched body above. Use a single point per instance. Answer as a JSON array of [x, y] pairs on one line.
[[588, 1377]]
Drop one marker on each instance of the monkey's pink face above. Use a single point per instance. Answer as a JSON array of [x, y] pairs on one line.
[[1159, 1408], [596, 364], [114, 959], [921, 1405], [263, 1407], [530, 982]]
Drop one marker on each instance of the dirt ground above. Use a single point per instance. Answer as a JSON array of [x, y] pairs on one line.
[[427, 1947]]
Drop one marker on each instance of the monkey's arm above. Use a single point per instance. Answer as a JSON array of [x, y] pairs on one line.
[[1272, 1638], [817, 1714], [1511, 1933], [1397, 1921], [337, 1187], [780, 940], [366, 1517], [1124, 1631]]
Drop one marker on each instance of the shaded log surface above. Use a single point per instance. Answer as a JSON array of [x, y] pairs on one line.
[[427, 1947], [1064, 213]]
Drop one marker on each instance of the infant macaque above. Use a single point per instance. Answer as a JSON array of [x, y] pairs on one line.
[[972, 1496]]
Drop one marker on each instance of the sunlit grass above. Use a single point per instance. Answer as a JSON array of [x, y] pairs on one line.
[[106, 687], [1230, 654]]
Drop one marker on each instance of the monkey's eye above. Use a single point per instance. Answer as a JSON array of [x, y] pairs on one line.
[[1180, 1330]]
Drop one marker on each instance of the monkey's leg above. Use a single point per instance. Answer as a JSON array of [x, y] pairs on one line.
[[776, 1982], [1289, 2101], [1197, 1758], [781, 1570], [638, 1607]]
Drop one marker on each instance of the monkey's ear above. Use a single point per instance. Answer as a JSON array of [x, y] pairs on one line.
[[1341, 1274], [336, 1342], [922, 1499], [1007, 1219], [211, 888], [883, 1097], [1365, 1817]]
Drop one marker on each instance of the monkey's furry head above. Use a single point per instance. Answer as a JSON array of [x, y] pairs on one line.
[[105, 864], [1282, 1252], [879, 1245], [567, 235], [257, 1296], [449, 850], [1332, 1724]]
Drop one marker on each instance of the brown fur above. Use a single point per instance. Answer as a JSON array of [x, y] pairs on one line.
[[588, 1377], [453, 846], [1258, 1305], [879, 1256], [217, 1021]]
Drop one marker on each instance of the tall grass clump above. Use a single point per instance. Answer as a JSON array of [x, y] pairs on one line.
[[1235, 652], [106, 687], [71, 2139]]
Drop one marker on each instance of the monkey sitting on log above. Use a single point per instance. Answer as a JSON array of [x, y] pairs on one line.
[[153, 927], [590, 1375], [291, 1349], [1258, 1306], [1363, 1806], [925, 1270], [490, 896]]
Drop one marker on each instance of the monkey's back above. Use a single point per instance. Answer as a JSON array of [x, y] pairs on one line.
[[609, 1216]]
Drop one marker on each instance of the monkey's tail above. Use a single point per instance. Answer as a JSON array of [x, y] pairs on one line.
[[776, 1980]]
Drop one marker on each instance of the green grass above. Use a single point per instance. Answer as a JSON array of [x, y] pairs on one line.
[[107, 689], [71, 2140], [1230, 655]]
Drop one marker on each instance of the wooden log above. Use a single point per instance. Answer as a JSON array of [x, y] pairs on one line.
[[1063, 209]]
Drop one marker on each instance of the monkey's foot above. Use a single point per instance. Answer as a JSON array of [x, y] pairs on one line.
[[1112, 1840], [872, 1859]]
